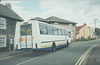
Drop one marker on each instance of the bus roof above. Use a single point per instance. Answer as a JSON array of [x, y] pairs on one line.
[[46, 24], [55, 26]]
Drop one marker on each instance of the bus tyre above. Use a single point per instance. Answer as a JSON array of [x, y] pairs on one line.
[[53, 47], [67, 44]]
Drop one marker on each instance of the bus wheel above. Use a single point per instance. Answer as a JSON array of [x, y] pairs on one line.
[[53, 47], [67, 44]]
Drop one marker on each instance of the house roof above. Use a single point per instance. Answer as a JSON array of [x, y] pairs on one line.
[[78, 28], [39, 19], [7, 12], [53, 19], [59, 20]]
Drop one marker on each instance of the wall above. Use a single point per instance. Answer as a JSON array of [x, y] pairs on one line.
[[92, 32], [9, 32], [83, 32]]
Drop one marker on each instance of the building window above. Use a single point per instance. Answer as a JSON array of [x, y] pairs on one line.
[[56, 23], [70, 26], [3, 41], [2, 23]]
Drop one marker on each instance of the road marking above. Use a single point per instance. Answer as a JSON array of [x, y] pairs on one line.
[[81, 59], [13, 56], [27, 61]]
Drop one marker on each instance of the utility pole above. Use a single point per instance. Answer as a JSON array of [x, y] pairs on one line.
[[24, 12], [95, 24]]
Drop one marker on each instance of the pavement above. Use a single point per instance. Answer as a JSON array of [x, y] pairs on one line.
[[94, 58]]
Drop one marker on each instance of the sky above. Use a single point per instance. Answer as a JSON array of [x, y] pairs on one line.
[[79, 11]]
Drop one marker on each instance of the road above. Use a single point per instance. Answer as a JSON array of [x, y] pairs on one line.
[[65, 56]]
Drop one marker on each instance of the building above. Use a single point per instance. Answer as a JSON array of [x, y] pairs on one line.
[[8, 19], [60, 22], [92, 30], [83, 32], [39, 19]]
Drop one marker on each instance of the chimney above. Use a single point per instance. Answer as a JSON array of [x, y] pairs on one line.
[[9, 5], [84, 24]]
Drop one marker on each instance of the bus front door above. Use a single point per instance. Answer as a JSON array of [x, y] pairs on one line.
[[26, 35]]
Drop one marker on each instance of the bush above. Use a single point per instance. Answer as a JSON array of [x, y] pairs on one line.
[[78, 40], [83, 39]]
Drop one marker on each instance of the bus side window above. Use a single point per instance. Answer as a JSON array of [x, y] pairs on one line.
[[69, 34], [66, 33], [55, 31], [59, 31], [43, 29], [63, 32], [50, 30], [40, 32]]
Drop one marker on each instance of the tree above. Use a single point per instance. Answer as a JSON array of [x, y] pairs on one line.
[[97, 30]]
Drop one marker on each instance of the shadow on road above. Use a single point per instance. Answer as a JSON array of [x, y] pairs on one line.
[[34, 54], [38, 53]]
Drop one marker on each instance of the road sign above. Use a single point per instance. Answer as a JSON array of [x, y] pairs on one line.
[[28, 31]]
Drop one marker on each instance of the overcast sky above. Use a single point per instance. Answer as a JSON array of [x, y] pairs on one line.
[[79, 11]]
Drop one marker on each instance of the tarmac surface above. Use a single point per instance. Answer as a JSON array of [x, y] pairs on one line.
[[64, 56]]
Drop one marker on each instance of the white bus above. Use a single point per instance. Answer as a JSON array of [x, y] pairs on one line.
[[36, 35]]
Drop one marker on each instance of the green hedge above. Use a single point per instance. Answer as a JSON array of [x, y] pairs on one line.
[[83, 39]]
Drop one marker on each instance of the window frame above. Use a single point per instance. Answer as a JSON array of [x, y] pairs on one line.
[[63, 32], [4, 41], [40, 29], [71, 26], [24, 29], [23, 33], [60, 32], [48, 28], [57, 31], [4, 23]]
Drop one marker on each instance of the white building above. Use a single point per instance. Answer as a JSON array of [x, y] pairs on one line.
[[92, 30]]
